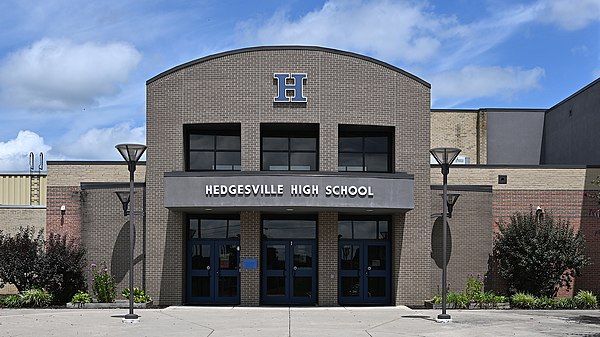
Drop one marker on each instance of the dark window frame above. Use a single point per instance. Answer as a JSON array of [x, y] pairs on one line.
[[298, 217], [354, 218], [364, 132], [200, 217], [290, 131], [214, 130]]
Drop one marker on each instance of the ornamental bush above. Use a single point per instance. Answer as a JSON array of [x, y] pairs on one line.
[[29, 261], [538, 255]]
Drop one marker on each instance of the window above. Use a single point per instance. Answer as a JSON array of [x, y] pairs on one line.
[[367, 228], [214, 148], [365, 149], [213, 227], [289, 148], [285, 227]]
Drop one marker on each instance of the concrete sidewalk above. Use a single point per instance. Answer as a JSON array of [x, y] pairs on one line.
[[295, 321]]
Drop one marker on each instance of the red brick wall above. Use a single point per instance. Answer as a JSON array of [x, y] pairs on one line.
[[69, 223], [577, 207]]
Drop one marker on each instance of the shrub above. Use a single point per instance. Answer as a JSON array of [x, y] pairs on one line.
[[36, 298], [12, 301], [522, 301], [19, 258], [138, 295], [62, 268], [104, 284], [81, 298], [536, 255], [30, 262], [585, 300]]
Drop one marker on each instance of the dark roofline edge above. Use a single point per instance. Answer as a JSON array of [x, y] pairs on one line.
[[286, 47], [573, 95]]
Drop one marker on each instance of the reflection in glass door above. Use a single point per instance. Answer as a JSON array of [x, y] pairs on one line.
[[289, 272], [364, 272]]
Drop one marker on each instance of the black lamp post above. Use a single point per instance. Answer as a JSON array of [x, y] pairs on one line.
[[132, 154], [445, 156]]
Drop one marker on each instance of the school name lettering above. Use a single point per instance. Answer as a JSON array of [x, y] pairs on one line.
[[335, 191]]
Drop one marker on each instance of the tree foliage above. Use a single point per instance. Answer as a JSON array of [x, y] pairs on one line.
[[29, 261], [538, 255]]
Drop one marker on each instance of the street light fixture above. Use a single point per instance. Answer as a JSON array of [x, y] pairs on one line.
[[124, 199], [445, 156], [132, 154], [452, 197]]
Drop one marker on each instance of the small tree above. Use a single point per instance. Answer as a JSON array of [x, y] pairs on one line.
[[538, 255], [19, 255], [61, 268], [30, 262]]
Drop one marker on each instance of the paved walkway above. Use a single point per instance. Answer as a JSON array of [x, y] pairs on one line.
[[283, 321]]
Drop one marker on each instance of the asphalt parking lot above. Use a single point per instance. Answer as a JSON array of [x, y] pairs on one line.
[[297, 321]]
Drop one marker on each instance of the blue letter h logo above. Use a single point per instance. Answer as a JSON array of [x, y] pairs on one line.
[[295, 87]]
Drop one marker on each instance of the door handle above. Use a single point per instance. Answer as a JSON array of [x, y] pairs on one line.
[[207, 267], [295, 268]]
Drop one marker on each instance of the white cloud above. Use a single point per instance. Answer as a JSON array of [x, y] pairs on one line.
[[99, 144], [477, 81], [14, 154], [390, 30], [571, 14], [59, 74]]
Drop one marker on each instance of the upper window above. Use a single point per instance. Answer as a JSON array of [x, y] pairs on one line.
[[365, 149], [214, 148], [363, 228], [289, 148], [213, 227]]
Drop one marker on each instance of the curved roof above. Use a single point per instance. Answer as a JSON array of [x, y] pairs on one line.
[[271, 48]]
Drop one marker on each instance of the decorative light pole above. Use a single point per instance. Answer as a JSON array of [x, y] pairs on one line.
[[445, 156], [132, 154]]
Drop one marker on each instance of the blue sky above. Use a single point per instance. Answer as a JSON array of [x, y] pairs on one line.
[[73, 73]]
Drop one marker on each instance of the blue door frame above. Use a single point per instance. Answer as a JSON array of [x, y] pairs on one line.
[[289, 272], [213, 275], [364, 271]]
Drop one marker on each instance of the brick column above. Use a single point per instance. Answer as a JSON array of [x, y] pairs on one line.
[[327, 254], [250, 249], [397, 236]]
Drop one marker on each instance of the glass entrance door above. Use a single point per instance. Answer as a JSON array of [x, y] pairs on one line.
[[289, 272], [213, 274], [364, 272]]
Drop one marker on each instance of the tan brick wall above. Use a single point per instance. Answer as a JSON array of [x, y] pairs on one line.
[[464, 129], [74, 173], [469, 239], [341, 89], [13, 218], [327, 253], [520, 178], [250, 232], [105, 235]]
